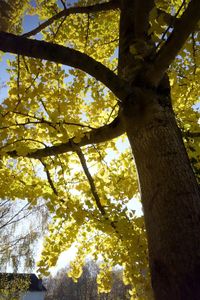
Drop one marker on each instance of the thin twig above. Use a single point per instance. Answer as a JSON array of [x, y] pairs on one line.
[[87, 31], [15, 215], [63, 3], [23, 140], [50, 181], [173, 20], [110, 115], [59, 26]]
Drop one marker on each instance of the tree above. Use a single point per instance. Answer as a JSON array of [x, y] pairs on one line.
[[62, 287], [19, 233], [56, 121], [12, 286]]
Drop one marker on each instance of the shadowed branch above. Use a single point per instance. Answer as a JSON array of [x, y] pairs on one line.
[[183, 27], [95, 136], [66, 56]]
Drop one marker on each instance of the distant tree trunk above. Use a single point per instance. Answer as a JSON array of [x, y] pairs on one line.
[[170, 197]]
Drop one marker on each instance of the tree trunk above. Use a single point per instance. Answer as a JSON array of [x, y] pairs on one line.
[[170, 196]]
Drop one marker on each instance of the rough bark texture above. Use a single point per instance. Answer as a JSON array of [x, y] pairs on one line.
[[171, 202], [169, 191]]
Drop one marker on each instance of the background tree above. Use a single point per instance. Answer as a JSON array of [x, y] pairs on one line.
[[59, 119], [13, 287], [20, 234], [62, 287]]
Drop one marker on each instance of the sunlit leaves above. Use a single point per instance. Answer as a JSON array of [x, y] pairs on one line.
[[48, 105]]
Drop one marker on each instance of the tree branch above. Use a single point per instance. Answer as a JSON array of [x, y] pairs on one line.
[[142, 10], [113, 4], [50, 181], [83, 162], [183, 27], [171, 20], [95, 136], [66, 56], [190, 134], [14, 216]]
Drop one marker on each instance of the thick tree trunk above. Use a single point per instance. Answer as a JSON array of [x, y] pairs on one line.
[[170, 197]]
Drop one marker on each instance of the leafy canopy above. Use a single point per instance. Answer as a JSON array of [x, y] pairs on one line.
[[86, 189]]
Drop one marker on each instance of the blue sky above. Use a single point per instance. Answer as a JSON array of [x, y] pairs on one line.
[[29, 23]]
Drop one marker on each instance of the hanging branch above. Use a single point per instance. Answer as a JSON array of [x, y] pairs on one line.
[[50, 181], [92, 185], [82, 159]]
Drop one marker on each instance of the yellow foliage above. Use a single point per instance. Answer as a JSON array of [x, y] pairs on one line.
[[49, 105]]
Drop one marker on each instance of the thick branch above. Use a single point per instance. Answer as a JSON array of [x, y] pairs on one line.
[[99, 135], [66, 56], [142, 9], [74, 10], [182, 29], [171, 20]]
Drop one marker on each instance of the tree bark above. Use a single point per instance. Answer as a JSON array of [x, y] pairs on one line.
[[169, 191], [170, 197]]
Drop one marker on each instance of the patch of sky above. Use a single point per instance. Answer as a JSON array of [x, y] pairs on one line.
[[29, 23], [4, 76]]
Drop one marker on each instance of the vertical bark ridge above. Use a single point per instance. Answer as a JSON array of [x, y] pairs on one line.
[[171, 201]]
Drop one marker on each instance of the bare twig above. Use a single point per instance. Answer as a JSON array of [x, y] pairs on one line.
[[42, 121], [14, 216], [59, 26]]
